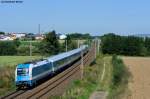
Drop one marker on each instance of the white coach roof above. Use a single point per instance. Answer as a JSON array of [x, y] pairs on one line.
[[64, 55]]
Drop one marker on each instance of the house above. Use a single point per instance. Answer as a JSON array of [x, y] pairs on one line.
[[39, 36], [62, 36], [5, 38], [19, 35]]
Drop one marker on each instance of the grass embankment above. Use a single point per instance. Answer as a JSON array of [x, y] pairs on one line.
[[115, 80], [7, 79], [120, 76], [7, 71], [82, 89]]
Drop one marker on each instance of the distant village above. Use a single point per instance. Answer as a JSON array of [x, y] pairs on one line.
[[25, 36]]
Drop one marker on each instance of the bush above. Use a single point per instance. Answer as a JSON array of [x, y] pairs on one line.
[[118, 70], [50, 44], [120, 77], [7, 78], [24, 50], [8, 48]]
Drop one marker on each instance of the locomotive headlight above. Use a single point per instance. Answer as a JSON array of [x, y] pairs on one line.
[[27, 70]]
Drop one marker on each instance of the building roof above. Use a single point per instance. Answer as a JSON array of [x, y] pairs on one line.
[[62, 36]]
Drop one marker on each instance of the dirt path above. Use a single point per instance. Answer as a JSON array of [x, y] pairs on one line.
[[98, 95], [140, 83]]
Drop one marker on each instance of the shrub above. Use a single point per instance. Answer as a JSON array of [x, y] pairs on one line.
[[7, 78], [8, 48], [23, 50], [120, 76]]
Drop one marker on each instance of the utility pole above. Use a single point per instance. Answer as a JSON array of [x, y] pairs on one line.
[[30, 46], [66, 45], [98, 45], [78, 44], [39, 28], [95, 48], [82, 65]]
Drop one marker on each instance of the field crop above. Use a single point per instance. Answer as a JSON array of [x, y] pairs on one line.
[[139, 83]]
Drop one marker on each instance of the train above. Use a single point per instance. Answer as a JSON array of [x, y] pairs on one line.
[[29, 73]]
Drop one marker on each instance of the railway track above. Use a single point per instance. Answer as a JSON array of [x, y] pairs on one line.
[[44, 91], [13, 94], [56, 85]]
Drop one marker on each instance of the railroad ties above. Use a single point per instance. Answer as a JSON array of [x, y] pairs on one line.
[[56, 85]]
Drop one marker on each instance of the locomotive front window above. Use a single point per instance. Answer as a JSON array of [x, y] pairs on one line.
[[22, 71]]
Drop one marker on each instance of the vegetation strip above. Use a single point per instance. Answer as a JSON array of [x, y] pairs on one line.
[[120, 77]]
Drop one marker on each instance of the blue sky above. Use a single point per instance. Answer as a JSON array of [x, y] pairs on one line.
[[85, 16]]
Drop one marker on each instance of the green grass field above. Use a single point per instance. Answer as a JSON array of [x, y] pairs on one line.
[[34, 43], [14, 60]]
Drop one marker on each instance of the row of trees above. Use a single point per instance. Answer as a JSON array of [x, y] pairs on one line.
[[2, 32], [80, 36], [125, 45], [49, 46], [110, 44]]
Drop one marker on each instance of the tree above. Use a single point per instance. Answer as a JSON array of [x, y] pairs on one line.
[[70, 43], [147, 45], [2, 32], [126, 45], [112, 44], [8, 48], [17, 42], [50, 44], [80, 36], [133, 45]]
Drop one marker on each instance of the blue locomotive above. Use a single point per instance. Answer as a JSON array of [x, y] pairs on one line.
[[27, 74]]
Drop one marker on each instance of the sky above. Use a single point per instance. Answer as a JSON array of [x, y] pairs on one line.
[[96, 17]]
